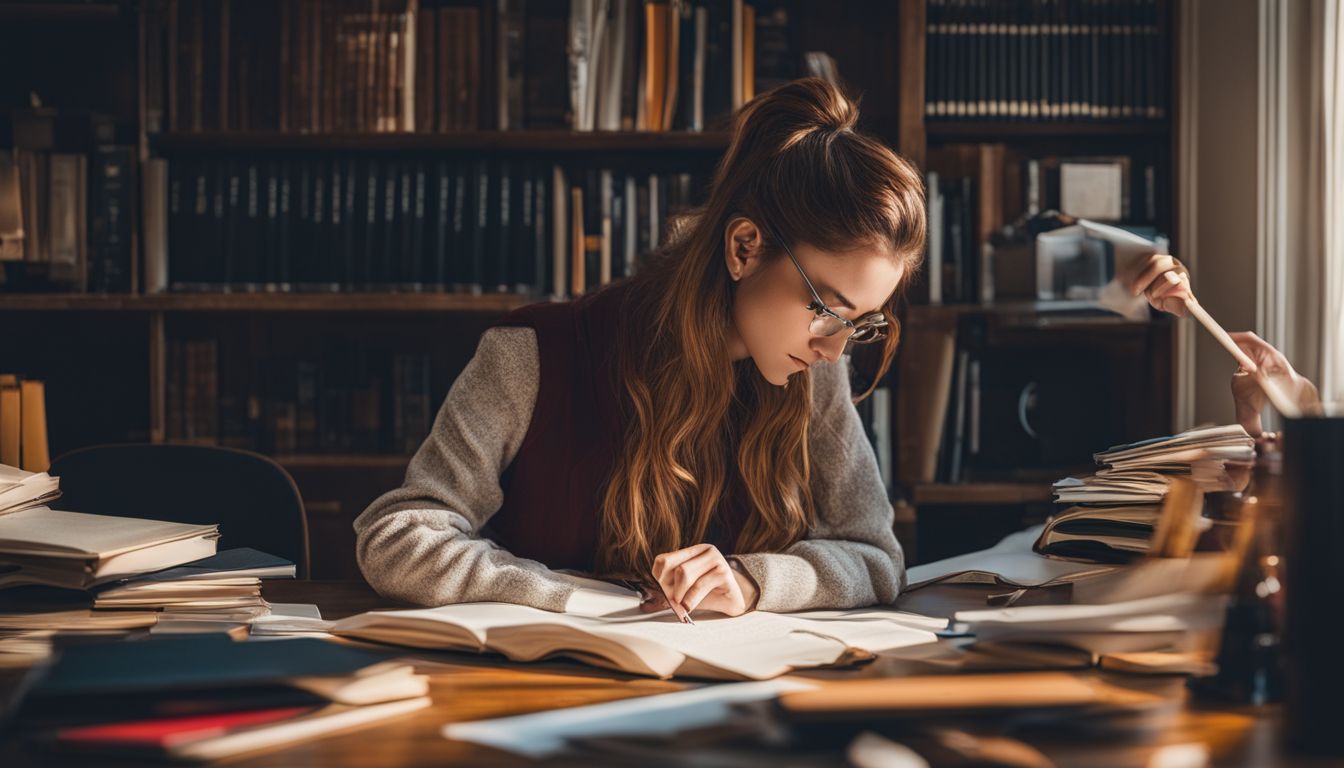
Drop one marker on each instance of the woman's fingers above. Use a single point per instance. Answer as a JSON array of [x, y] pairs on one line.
[[668, 560], [678, 580], [718, 582]]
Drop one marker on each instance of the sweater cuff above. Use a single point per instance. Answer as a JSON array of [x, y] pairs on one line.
[[786, 582]]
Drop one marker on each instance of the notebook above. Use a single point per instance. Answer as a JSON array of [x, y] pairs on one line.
[[77, 550], [616, 634]]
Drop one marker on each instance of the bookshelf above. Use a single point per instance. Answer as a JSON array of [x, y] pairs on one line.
[[111, 359]]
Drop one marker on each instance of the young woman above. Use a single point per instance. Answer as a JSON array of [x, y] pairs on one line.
[[691, 428]]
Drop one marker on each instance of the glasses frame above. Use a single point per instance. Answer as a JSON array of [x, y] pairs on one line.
[[875, 320]]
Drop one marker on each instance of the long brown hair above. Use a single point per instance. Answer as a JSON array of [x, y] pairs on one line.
[[796, 163]]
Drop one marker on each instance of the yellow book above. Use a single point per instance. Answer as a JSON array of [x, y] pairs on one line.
[[33, 427], [9, 424]]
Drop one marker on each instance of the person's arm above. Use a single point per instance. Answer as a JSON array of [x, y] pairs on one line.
[[419, 543], [851, 557]]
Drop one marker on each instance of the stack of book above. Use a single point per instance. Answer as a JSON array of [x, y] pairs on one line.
[[68, 573], [1140, 472], [207, 697], [1115, 511]]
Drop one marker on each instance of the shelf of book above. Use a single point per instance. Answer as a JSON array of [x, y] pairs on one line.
[[971, 130], [547, 141], [266, 302]]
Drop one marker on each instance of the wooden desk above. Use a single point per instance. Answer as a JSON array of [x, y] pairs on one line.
[[466, 687]]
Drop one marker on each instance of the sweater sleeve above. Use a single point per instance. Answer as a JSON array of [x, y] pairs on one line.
[[420, 542], [851, 557]]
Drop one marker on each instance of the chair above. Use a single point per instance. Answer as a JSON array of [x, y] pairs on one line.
[[254, 500]]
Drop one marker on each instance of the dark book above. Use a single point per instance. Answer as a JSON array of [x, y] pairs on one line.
[[234, 563], [111, 216], [114, 681], [481, 218], [441, 246]]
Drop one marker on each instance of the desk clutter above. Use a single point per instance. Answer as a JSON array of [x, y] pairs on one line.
[[1026, 630], [71, 576]]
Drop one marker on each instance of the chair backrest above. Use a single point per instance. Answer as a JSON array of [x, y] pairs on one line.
[[253, 499]]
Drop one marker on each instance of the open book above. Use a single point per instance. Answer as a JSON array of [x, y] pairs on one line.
[[605, 627], [1011, 562], [1107, 534]]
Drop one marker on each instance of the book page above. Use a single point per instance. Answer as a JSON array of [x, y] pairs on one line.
[[755, 645]]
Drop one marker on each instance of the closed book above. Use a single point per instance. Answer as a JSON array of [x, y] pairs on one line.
[[77, 550], [209, 673]]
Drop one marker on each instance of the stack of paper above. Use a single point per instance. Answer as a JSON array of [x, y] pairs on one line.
[[228, 580], [20, 490], [1165, 622], [1138, 473]]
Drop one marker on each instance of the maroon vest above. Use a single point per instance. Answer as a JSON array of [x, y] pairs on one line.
[[554, 487]]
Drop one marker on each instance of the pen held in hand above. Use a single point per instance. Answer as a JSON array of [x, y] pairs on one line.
[[683, 615]]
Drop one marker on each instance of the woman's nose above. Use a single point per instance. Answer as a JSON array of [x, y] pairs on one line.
[[830, 348]]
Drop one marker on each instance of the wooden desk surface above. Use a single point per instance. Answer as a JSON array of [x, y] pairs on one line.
[[466, 687]]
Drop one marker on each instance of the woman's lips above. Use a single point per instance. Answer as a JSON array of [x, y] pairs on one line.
[[801, 364]]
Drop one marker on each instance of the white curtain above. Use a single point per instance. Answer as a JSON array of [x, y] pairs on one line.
[[1326, 218]]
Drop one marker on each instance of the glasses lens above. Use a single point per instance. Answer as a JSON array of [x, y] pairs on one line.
[[825, 325], [867, 335]]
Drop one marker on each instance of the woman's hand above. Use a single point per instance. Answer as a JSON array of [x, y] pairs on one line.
[[700, 577], [1165, 282], [1246, 391]]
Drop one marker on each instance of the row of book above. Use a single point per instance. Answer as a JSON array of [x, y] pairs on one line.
[[1046, 60], [23, 424], [380, 223], [406, 65], [67, 219], [343, 402]]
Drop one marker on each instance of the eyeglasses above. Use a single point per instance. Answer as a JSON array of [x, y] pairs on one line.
[[869, 328]]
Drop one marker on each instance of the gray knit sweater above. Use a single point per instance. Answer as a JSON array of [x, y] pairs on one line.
[[422, 542]]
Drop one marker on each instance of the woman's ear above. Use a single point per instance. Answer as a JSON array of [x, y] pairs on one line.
[[742, 247]]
